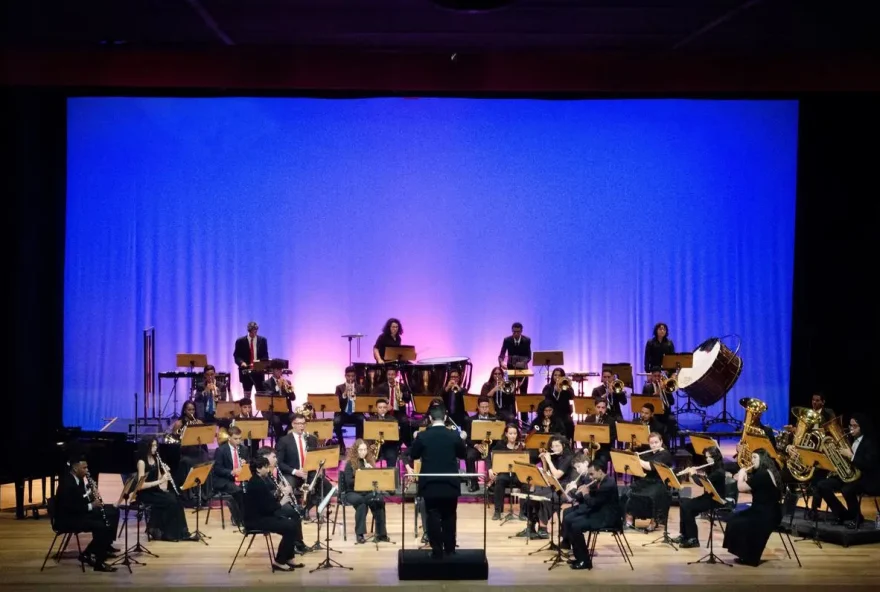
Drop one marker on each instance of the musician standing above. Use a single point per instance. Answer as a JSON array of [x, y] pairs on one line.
[[359, 458], [616, 402], [76, 510], [262, 512], [452, 395], [390, 337], [505, 403], [293, 450], [249, 349], [476, 440], [518, 350], [439, 449], [658, 346], [347, 393], [559, 395]]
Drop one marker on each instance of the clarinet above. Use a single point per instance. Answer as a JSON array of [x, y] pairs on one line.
[[96, 496], [165, 468]]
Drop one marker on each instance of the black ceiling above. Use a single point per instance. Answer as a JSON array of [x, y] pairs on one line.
[[746, 27]]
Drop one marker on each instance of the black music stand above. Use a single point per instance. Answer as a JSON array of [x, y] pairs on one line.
[[197, 476], [327, 563], [547, 359], [708, 488], [350, 337], [130, 488]]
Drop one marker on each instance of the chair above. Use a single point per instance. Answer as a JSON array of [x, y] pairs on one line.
[[65, 535], [341, 501], [619, 538], [270, 547], [789, 505], [875, 497], [223, 498]]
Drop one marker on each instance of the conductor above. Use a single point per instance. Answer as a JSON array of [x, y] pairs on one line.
[[439, 449]]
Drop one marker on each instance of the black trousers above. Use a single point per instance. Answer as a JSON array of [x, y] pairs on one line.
[[360, 502], [103, 534], [344, 419], [250, 380], [502, 482], [470, 461], [688, 512], [850, 491], [290, 531], [442, 518]]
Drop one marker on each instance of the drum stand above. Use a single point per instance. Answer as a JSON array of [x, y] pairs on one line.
[[690, 408], [725, 418]]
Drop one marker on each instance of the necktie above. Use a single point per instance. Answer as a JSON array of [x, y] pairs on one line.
[[235, 462], [302, 452], [350, 407], [252, 351]]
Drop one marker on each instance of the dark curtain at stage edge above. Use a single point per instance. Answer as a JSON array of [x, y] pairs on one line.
[[36, 124], [835, 313]]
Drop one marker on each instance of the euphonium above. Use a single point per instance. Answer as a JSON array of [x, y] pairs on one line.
[[831, 446], [754, 408], [805, 436]]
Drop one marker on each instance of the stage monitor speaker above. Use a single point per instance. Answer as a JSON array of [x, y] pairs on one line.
[[465, 564]]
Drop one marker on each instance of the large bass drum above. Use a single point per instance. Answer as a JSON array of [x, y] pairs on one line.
[[715, 370]]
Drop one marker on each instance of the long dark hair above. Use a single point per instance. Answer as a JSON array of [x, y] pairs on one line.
[[144, 449], [766, 462], [657, 327], [712, 453], [386, 330]]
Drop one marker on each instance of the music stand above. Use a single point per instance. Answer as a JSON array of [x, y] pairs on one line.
[[382, 431], [633, 434], [627, 462], [187, 361], [272, 404], [472, 404], [529, 402], [326, 403], [422, 402], [547, 359], [639, 401], [253, 429], [373, 481], [403, 353], [555, 508], [131, 487], [701, 443], [710, 489], [536, 441], [321, 429], [670, 480], [198, 435], [502, 462], [366, 403], [318, 460], [584, 405], [492, 429], [593, 433], [197, 476], [226, 410], [325, 505], [756, 442], [813, 458], [528, 475]]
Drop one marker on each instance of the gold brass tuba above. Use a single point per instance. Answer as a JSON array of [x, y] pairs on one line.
[[754, 408], [831, 445], [806, 436]]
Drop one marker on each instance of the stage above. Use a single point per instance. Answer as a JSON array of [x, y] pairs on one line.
[[189, 564]]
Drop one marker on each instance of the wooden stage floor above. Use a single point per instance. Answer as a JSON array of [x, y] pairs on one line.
[[25, 542]]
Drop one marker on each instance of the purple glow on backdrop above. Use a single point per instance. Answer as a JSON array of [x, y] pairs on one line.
[[588, 221]]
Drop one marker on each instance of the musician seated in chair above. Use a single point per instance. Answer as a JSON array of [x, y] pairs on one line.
[[557, 461], [864, 456], [648, 496], [159, 491], [359, 457], [263, 512], [278, 386], [78, 510], [475, 444], [190, 456], [347, 393], [559, 394], [691, 508], [452, 395], [390, 450], [208, 391], [654, 387], [597, 507], [602, 417], [292, 450], [505, 403], [616, 402], [398, 396], [505, 480], [284, 491]]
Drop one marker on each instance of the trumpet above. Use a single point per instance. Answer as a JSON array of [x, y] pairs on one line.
[[617, 387], [285, 386], [668, 385], [96, 496], [564, 383]]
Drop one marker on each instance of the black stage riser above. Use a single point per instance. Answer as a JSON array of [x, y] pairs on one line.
[[465, 564], [837, 535]]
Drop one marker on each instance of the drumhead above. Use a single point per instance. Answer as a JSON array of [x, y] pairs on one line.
[[449, 360], [703, 360]]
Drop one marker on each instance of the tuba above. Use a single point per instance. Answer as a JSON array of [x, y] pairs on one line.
[[754, 408], [806, 436], [831, 445]]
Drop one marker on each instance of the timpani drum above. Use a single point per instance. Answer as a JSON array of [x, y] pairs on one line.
[[432, 374], [715, 370]]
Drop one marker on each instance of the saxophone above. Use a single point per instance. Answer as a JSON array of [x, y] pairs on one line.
[[398, 397], [831, 445]]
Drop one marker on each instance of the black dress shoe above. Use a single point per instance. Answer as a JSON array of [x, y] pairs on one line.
[[104, 567], [281, 568], [300, 548], [383, 538], [361, 540], [581, 565], [113, 549], [87, 559]]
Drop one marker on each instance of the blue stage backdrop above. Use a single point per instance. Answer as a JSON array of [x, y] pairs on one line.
[[588, 221]]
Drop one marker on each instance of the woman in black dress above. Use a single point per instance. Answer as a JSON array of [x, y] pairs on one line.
[[657, 347], [560, 396], [167, 520], [648, 496], [390, 337], [749, 530]]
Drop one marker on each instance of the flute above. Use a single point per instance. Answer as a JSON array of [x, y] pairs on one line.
[[680, 473]]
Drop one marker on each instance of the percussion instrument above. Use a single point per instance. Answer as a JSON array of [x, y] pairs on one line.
[[715, 370], [432, 374]]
